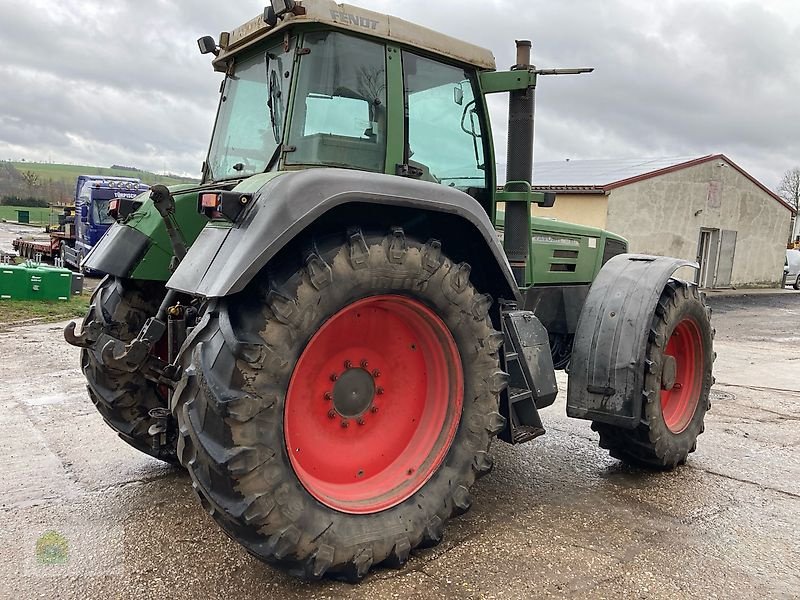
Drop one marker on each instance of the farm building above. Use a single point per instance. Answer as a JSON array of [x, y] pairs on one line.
[[705, 209]]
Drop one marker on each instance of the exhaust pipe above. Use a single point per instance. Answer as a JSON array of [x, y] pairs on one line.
[[519, 166]]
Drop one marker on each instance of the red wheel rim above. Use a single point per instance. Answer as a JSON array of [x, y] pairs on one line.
[[373, 404], [679, 399]]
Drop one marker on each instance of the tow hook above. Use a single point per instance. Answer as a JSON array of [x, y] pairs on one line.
[[88, 336]]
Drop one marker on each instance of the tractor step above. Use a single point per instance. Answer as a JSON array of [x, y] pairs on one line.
[[524, 433], [518, 395], [531, 379]]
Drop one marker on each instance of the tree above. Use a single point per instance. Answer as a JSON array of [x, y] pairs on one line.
[[31, 179], [789, 190], [789, 187]]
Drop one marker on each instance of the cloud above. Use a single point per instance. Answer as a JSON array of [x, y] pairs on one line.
[[122, 81]]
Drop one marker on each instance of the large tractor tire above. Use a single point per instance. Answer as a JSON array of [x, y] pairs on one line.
[[126, 399], [677, 382], [334, 415]]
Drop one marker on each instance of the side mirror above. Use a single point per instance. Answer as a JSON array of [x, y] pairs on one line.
[[207, 45]]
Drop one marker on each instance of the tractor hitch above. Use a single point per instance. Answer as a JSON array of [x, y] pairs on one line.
[[137, 355]]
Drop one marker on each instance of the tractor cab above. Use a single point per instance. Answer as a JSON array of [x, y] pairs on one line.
[[334, 86]]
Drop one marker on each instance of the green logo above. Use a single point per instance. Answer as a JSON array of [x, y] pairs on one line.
[[52, 549]]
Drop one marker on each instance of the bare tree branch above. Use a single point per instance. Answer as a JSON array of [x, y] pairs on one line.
[[789, 187]]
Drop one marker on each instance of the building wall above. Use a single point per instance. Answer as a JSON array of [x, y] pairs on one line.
[[664, 215], [583, 209]]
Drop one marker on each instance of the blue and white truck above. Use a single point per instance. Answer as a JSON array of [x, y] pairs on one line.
[[78, 228]]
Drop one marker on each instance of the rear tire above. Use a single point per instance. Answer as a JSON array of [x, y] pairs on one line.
[[671, 419], [796, 284], [125, 399], [234, 405]]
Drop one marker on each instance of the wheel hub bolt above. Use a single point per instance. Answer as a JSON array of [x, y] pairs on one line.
[[334, 377], [374, 409], [364, 364], [376, 373], [347, 364], [379, 391], [328, 396], [331, 414], [360, 421], [345, 424]]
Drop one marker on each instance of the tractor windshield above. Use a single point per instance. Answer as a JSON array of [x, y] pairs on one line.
[[339, 113], [249, 126]]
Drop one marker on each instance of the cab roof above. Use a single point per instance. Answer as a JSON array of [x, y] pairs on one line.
[[353, 18]]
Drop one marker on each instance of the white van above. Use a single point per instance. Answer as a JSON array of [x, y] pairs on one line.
[[791, 270]]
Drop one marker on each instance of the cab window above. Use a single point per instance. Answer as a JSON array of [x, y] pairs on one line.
[[445, 143], [339, 112]]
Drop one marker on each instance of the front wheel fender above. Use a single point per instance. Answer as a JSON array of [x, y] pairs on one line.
[[606, 373]]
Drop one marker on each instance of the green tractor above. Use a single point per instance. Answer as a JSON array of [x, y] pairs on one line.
[[330, 329]]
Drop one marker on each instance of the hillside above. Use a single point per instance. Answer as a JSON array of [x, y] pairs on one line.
[[69, 173], [40, 184]]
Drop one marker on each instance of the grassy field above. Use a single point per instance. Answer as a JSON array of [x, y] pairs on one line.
[[38, 216], [69, 173], [20, 311]]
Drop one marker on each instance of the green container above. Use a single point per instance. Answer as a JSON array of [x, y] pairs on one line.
[[23, 216], [56, 283], [33, 281], [36, 287], [14, 283]]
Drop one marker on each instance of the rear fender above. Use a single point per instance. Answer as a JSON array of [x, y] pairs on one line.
[[606, 372], [224, 259]]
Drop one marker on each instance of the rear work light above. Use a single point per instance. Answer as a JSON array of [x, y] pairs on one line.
[[209, 200], [228, 205]]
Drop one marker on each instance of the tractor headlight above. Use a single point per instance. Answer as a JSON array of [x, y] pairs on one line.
[[281, 7], [277, 9]]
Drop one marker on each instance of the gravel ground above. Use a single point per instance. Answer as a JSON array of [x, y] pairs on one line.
[[556, 518]]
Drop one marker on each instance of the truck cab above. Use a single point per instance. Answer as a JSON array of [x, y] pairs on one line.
[[92, 219]]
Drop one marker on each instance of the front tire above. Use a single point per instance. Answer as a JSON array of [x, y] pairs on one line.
[[677, 383], [277, 426]]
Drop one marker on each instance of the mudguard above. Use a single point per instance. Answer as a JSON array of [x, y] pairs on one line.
[[224, 259], [606, 373]]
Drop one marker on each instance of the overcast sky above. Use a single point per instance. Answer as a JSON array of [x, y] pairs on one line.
[[122, 82]]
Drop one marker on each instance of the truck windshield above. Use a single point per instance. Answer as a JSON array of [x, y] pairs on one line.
[[339, 113], [249, 125], [100, 214]]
